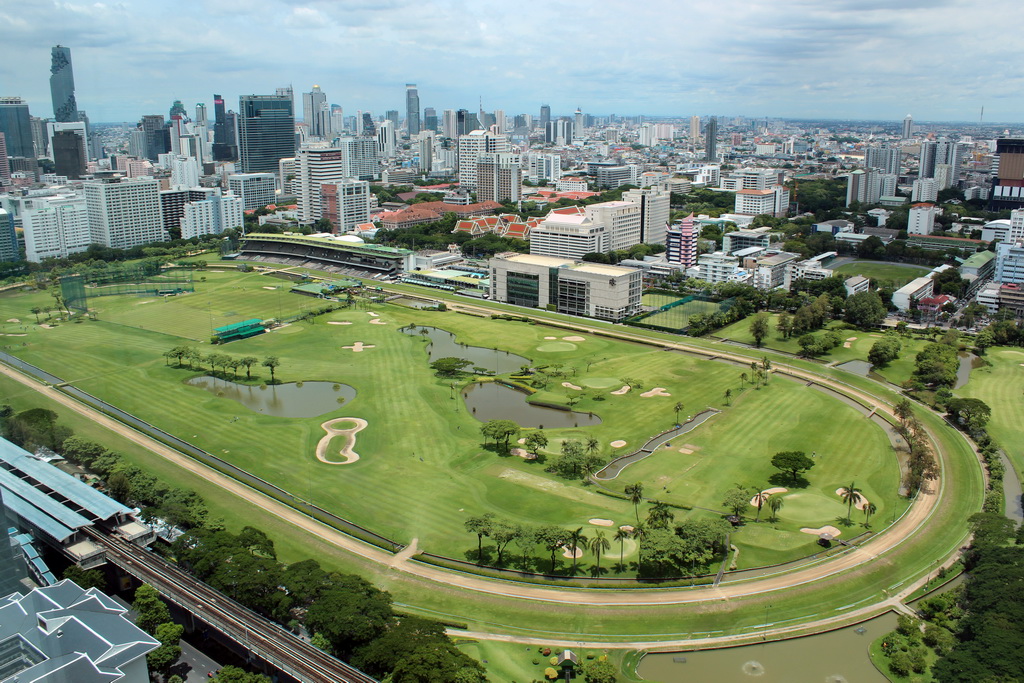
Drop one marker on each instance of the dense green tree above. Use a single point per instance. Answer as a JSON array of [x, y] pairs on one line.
[[937, 365], [865, 309], [85, 578], [737, 499], [571, 461], [972, 413], [162, 658], [794, 462], [481, 526], [437, 664], [599, 671], [149, 608], [535, 441], [885, 350], [233, 674], [351, 613], [271, 363], [500, 431], [552, 538], [450, 366], [759, 328]]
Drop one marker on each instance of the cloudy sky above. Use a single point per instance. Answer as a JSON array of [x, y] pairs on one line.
[[880, 59]]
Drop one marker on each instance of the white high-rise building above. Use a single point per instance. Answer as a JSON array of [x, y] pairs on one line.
[[212, 216], [773, 202], [55, 227], [944, 175], [359, 157], [124, 213], [921, 219], [346, 204], [499, 177], [426, 150], [449, 123], [694, 129], [315, 112], [543, 167], [471, 146], [313, 167], [386, 139], [924, 190], [908, 127], [256, 190], [623, 221], [184, 172], [654, 213]]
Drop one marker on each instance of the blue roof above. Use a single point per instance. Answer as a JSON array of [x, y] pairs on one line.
[[79, 493], [37, 518]]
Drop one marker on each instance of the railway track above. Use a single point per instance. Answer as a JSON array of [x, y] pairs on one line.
[[268, 641]]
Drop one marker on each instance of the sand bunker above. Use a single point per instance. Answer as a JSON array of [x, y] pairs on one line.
[[377, 321], [627, 527], [768, 492], [570, 385], [686, 451], [46, 327], [346, 451], [617, 444], [14, 334], [622, 391], [830, 530], [656, 391], [521, 441], [601, 522], [851, 339], [145, 302], [574, 338], [569, 554], [335, 322], [13, 320], [846, 345], [270, 288], [358, 347], [371, 314], [860, 502], [523, 453], [550, 338]]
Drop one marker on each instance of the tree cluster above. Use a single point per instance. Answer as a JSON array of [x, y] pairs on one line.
[[921, 465], [813, 345], [936, 365], [154, 618], [885, 350], [196, 359]]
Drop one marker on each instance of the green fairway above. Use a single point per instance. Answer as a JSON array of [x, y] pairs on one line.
[[1001, 386], [895, 273]]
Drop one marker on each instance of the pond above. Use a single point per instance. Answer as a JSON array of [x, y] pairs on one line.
[[442, 344], [840, 655], [493, 401], [308, 399]]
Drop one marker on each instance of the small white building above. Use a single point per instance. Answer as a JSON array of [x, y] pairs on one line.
[[921, 219], [913, 291]]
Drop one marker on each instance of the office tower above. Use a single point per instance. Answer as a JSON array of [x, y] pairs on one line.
[[16, 125], [499, 177], [448, 124], [157, 137], [39, 139], [926, 168], [8, 252], [201, 119], [392, 116], [711, 140], [184, 171], [266, 131], [77, 128], [694, 129], [472, 122], [313, 103], [471, 146], [885, 159], [137, 144], [224, 147], [908, 127], [55, 227], [256, 190], [681, 243], [430, 119], [369, 129], [578, 122], [5, 165], [338, 120], [387, 138], [211, 215], [69, 156], [62, 85], [412, 109], [345, 204], [176, 128], [461, 123], [315, 166], [500, 124], [545, 116], [654, 213], [359, 158], [124, 213], [426, 151], [560, 132]]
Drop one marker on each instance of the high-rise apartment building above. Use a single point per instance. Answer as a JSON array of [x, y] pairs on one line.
[[8, 244], [212, 215], [543, 167], [256, 190], [387, 139], [15, 124], [921, 219], [681, 243], [885, 159], [908, 127], [471, 146], [345, 204], [924, 190], [448, 123], [315, 166], [426, 150], [412, 109], [315, 112], [55, 227], [694, 129], [62, 85], [654, 213], [773, 202], [499, 177], [184, 171], [360, 158], [124, 213], [926, 167], [266, 131], [711, 140]]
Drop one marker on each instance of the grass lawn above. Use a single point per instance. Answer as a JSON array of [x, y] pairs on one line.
[[897, 273], [1001, 386]]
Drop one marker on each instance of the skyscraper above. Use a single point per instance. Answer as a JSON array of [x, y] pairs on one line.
[[62, 85], [158, 140], [69, 154], [387, 138], [471, 146], [223, 145], [266, 131], [368, 130], [545, 115], [711, 140], [15, 124], [430, 119], [908, 127], [448, 123], [929, 150], [5, 166], [314, 113], [462, 122], [694, 129], [412, 109]]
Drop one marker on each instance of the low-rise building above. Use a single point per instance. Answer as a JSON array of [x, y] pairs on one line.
[[772, 201], [857, 284], [814, 268], [718, 267], [915, 290], [769, 271], [742, 239], [1009, 263], [568, 286]]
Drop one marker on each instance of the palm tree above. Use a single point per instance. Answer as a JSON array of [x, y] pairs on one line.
[[592, 444], [621, 535], [599, 544], [678, 407], [660, 515], [636, 496], [576, 540], [759, 500], [743, 379], [766, 365], [728, 397], [869, 510], [37, 311], [775, 503], [639, 533], [850, 494], [271, 362]]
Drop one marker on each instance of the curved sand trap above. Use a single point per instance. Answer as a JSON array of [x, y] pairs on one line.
[[574, 338], [622, 391], [860, 502], [335, 322], [556, 346], [602, 522], [359, 347], [600, 382], [350, 441], [627, 527], [523, 453], [371, 313], [765, 493], [656, 391], [270, 288], [851, 339], [13, 320], [377, 321], [550, 338], [570, 385], [568, 553], [617, 444], [830, 530]]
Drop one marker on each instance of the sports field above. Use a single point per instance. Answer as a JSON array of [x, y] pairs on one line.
[[422, 471], [896, 273], [677, 317]]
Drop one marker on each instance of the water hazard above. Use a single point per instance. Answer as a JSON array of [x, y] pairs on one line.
[[493, 401], [443, 345], [294, 399]]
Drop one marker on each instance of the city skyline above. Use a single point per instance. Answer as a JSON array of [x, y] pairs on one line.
[[846, 60]]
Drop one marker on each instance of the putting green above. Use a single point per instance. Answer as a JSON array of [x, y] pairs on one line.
[[601, 382], [555, 347], [811, 507]]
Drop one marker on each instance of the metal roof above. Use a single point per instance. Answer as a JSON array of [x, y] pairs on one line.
[[79, 493], [37, 518]]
